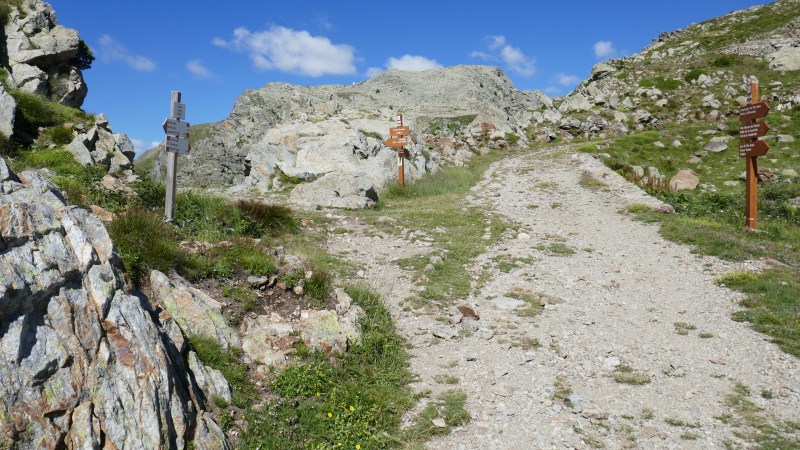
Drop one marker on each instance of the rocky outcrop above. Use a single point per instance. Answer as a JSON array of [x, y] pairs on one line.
[[8, 108], [306, 132], [44, 57], [84, 361], [336, 190], [99, 145], [267, 340]]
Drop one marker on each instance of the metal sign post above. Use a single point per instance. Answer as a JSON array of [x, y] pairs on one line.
[[751, 148], [177, 143], [398, 140]]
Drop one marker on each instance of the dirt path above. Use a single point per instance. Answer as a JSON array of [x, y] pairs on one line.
[[614, 291]]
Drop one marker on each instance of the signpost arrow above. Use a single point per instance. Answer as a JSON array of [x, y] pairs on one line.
[[396, 142], [753, 111], [178, 145], [176, 127], [399, 131], [753, 130], [752, 149]]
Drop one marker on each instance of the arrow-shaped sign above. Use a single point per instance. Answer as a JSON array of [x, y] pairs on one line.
[[396, 142], [176, 127], [755, 111], [178, 145], [399, 131], [753, 130], [753, 149]]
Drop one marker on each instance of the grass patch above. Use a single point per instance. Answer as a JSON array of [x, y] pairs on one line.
[[242, 295], [449, 407], [358, 401], [624, 374], [436, 202], [229, 363], [145, 243], [683, 328], [526, 343], [446, 379], [556, 249], [34, 111], [752, 424], [590, 182], [681, 423]]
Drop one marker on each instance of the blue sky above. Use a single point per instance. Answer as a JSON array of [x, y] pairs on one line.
[[145, 49]]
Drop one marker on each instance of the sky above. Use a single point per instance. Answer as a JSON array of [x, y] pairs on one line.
[[213, 51]]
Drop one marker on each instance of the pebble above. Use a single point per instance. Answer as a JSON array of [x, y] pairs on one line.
[[439, 423], [443, 332], [523, 236]]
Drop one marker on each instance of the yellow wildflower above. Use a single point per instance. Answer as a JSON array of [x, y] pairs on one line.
[[351, 408], [330, 414]]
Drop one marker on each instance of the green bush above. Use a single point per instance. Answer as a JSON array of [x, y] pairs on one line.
[[723, 61], [244, 258], [663, 84], [59, 135], [262, 218], [36, 111], [693, 75], [304, 380], [318, 286], [84, 58], [144, 242]]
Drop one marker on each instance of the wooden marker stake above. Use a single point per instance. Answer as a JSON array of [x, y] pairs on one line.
[[751, 149], [399, 141]]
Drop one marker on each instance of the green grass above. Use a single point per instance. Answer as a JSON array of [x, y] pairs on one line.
[[229, 363], [445, 125], [437, 201], [357, 401], [755, 426], [200, 132], [36, 111], [449, 406], [683, 328], [145, 243], [242, 295], [624, 374]]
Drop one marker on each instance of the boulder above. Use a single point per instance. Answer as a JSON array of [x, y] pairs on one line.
[[34, 38], [716, 147], [194, 310], [211, 381], [601, 70], [684, 180], [68, 87], [29, 79], [336, 190], [85, 363], [575, 103], [8, 110], [784, 138], [786, 58]]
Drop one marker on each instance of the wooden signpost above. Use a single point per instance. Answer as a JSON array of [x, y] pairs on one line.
[[177, 144], [751, 148], [399, 141]]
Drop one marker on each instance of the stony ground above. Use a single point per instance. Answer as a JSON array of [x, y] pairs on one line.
[[621, 306]]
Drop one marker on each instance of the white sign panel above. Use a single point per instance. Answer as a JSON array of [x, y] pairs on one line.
[[178, 111], [178, 145], [176, 127]]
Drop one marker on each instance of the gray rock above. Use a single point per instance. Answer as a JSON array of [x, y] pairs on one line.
[[8, 110], [575, 103], [442, 332], [507, 304], [79, 149], [785, 138], [716, 147], [29, 79], [601, 70], [337, 190], [785, 58], [194, 310], [209, 380], [75, 343]]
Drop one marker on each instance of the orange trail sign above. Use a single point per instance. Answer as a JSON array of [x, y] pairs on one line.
[[753, 111], [752, 149], [399, 131], [396, 142], [753, 130]]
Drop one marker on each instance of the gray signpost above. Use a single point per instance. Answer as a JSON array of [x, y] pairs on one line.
[[177, 144]]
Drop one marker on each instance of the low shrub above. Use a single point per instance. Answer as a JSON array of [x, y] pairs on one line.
[[262, 218]]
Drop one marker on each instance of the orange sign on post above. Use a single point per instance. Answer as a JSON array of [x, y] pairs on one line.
[[399, 141], [751, 148]]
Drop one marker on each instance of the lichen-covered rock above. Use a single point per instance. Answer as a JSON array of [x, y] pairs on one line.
[[267, 340], [194, 310], [8, 110], [84, 361], [336, 190]]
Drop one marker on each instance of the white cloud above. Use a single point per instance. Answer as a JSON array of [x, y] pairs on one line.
[[411, 63], [288, 50], [111, 50], [567, 80], [512, 57], [198, 70], [604, 49], [552, 90], [142, 146], [372, 71]]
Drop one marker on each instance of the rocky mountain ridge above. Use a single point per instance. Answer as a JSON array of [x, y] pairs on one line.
[[306, 132]]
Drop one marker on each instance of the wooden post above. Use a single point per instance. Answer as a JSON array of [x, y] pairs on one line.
[[751, 168], [172, 166]]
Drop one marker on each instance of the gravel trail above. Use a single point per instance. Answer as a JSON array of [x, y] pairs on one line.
[[622, 306]]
